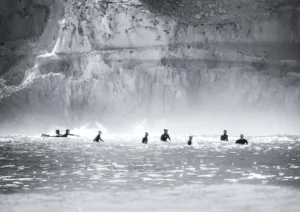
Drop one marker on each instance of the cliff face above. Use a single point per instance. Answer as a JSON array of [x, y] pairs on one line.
[[117, 63]]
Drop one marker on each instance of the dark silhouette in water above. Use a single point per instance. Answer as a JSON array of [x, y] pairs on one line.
[[67, 134], [145, 139], [190, 141], [164, 137], [57, 132], [98, 137], [242, 141], [224, 137]]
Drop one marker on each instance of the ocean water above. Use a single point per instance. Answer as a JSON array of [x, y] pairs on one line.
[[75, 174]]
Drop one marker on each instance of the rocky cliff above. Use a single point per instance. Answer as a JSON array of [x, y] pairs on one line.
[[190, 65]]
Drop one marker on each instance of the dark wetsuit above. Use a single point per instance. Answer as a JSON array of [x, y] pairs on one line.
[[66, 135], [190, 142], [98, 138], [165, 137], [55, 136], [242, 141], [224, 137], [145, 140]]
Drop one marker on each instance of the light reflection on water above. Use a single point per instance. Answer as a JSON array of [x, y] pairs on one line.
[[47, 165], [209, 198], [76, 175]]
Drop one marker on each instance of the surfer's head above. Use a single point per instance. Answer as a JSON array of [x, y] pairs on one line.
[[99, 132], [165, 130], [146, 134], [225, 132], [242, 136], [67, 131], [57, 132]]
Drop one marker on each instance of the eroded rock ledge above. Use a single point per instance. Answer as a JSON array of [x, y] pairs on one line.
[[100, 60]]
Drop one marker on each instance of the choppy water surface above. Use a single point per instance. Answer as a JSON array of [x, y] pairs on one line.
[[59, 166]]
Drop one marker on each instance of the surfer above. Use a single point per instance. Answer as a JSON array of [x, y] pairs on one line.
[[190, 141], [242, 141], [164, 137], [98, 137], [57, 132], [67, 134], [145, 139], [224, 137]]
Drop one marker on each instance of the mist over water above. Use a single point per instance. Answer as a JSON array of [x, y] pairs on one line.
[[208, 122], [201, 124], [186, 101]]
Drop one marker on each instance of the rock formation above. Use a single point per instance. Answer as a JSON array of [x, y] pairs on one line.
[[209, 64]]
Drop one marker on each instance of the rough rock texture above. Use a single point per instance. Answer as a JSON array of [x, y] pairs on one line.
[[217, 11], [115, 62]]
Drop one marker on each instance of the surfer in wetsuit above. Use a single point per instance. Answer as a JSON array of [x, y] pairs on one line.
[[67, 134], [145, 139], [224, 137], [98, 137], [57, 132], [190, 141], [164, 137], [242, 141]]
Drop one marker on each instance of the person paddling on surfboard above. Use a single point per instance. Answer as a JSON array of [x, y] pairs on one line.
[[67, 134], [164, 137], [57, 132], [98, 137]]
